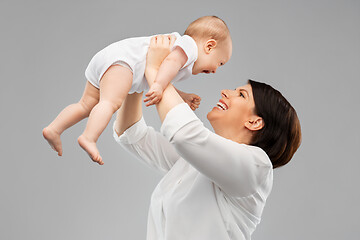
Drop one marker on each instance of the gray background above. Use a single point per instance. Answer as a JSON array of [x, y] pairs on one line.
[[309, 50]]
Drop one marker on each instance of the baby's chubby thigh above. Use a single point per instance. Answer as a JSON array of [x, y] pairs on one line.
[[115, 84]]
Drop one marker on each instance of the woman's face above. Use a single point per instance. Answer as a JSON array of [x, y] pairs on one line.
[[233, 111]]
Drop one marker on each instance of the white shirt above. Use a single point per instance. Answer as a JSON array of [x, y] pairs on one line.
[[132, 52], [213, 188]]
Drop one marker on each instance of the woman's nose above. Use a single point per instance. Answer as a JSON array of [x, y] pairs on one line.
[[225, 93]]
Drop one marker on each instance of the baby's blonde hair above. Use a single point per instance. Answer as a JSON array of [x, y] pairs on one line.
[[208, 27]]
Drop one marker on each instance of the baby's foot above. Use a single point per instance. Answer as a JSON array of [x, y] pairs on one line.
[[91, 149], [53, 139]]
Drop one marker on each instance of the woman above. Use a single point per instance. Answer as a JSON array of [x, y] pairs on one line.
[[215, 184]]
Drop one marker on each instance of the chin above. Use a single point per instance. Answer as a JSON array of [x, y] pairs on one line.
[[211, 115], [208, 115], [211, 118]]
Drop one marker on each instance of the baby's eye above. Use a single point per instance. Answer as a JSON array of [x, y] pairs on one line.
[[221, 64]]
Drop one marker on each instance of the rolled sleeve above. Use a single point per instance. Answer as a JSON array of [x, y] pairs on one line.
[[148, 145], [133, 134], [176, 118]]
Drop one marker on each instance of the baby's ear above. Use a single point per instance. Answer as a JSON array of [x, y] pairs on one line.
[[210, 45]]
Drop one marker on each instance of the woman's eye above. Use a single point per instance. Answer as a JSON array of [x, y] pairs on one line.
[[240, 93]]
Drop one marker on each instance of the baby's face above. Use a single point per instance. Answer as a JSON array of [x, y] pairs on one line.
[[209, 59]]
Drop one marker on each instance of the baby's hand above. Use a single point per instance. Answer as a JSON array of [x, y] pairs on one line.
[[191, 99], [154, 94]]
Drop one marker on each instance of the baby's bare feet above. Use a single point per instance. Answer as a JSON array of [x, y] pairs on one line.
[[53, 139], [91, 149]]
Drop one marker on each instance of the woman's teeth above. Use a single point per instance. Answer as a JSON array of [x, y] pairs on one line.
[[222, 106]]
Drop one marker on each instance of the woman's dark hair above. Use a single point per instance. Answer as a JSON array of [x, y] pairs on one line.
[[281, 135]]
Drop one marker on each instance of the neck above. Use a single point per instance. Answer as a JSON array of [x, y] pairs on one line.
[[239, 136]]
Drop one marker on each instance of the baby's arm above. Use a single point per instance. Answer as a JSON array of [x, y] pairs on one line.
[[167, 71], [191, 99]]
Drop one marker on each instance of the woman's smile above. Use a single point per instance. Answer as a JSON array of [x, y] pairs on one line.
[[222, 105]]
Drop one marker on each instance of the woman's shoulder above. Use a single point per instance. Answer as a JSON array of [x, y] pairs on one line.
[[258, 154]]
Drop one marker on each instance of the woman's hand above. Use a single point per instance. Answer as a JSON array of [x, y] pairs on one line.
[[160, 47]]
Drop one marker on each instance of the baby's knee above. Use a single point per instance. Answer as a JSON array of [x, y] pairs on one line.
[[113, 105], [87, 106]]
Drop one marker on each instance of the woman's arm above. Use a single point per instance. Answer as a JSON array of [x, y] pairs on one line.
[[148, 145], [238, 169], [129, 113], [158, 51], [167, 71]]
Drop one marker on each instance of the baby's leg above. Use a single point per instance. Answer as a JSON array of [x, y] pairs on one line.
[[114, 87], [70, 116]]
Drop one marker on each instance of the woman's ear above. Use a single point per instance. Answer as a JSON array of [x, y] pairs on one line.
[[255, 123], [209, 45]]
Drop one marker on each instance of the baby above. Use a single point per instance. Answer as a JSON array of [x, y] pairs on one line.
[[119, 69]]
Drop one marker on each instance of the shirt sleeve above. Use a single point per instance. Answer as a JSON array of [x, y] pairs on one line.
[[238, 169], [188, 45], [148, 145]]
